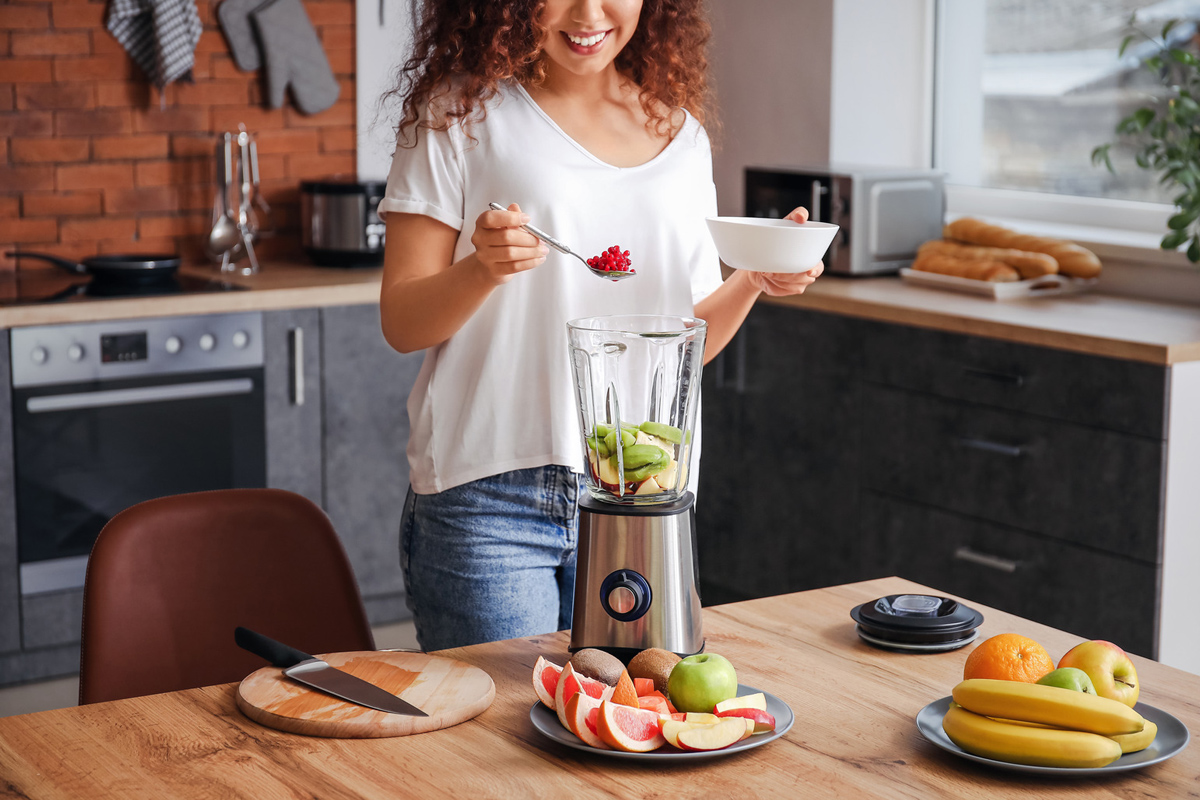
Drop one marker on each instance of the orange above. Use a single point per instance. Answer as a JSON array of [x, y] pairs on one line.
[[1008, 657]]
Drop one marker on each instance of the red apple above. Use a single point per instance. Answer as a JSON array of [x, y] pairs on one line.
[[1110, 668], [763, 722]]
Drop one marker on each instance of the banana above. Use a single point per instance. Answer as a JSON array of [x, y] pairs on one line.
[[1049, 705], [1133, 742], [1025, 744]]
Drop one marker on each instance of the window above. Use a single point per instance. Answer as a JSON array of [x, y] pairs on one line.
[[1027, 88]]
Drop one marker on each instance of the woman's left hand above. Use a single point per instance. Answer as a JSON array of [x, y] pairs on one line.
[[780, 284]]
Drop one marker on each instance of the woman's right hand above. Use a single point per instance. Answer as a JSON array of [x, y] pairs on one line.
[[502, 248]]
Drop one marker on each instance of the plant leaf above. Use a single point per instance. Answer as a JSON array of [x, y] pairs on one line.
[[1167, 28], [1173, 240], [1181, 220], [1124, 44], [1193, 251]]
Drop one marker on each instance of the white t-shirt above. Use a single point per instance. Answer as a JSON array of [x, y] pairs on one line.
[[497, 396]]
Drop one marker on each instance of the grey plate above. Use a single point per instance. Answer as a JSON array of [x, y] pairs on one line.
[[546, 721], [1171, 738], [938, 647]]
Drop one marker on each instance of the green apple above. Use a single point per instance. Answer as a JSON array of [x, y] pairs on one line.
[[1069, 678], [699, 682]]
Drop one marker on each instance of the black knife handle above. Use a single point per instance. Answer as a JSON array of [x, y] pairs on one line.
[[277, 653]]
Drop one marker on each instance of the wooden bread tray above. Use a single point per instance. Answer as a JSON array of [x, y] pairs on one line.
[[1045, 286]]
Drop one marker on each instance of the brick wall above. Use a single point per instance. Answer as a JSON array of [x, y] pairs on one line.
[[90, 163]]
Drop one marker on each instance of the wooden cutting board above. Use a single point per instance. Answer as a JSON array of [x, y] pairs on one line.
[[449, 691]]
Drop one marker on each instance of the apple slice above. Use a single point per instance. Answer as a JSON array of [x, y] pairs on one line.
[[671, 728], [763, 722], [570, 682], [712, 737], [701, 717], [749, 728], [582, 711], [757, 700]]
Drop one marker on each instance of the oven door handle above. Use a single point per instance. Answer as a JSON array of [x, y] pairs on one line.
[[148, 394]]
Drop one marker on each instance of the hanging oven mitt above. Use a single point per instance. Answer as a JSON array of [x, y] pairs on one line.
[[234, 16], [292, 55], [159, 35]]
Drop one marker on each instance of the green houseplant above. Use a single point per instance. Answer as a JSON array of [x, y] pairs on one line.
[[1166, 133]]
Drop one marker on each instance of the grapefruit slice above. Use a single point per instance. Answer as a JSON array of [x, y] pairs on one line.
[[545, 680], [634, 730], [570, 682], [712, 737], [623, 692], [757, 700], [643, 686], [582, 711]]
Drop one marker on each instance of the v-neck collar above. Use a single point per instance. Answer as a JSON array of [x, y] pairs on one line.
[[550, 121]]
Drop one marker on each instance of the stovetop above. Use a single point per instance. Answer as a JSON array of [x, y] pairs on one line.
[[35, 287]]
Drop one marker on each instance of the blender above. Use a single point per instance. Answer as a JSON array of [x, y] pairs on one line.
[[637, 387]]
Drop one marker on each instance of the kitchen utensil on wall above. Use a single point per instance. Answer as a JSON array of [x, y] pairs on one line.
[[340, 222], [317, 674], [637, 387], [565, 250], [235, 224], [126, 269]]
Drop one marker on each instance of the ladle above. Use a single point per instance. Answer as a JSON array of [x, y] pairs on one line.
[[608, 275], [225, 235]]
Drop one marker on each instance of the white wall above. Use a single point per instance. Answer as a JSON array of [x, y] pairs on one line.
[[771, 62], [881, 98], [379, 51]]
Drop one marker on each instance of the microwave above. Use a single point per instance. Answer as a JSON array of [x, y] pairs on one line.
[[884, 213]]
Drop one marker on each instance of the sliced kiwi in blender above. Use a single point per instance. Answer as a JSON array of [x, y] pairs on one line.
[[663, 431]]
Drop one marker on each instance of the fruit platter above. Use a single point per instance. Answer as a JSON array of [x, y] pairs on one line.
[[659, 707], [642, 457], [1014, 709]]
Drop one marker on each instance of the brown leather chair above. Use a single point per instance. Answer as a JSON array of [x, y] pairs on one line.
[[168, 580]]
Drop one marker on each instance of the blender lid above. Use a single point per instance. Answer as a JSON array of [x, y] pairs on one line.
[[589, 503], [917, 619]]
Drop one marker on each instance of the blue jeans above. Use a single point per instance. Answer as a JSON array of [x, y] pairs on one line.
[[492, 559]]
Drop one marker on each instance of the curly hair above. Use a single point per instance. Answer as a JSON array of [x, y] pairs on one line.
[[464, 49]]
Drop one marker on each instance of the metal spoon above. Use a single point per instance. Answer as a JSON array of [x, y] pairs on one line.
[[562, 248], [225, 234]]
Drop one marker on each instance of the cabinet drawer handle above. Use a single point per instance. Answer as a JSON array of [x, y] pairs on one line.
[[985, 560], [1010, 450], [296, 342], [997, 377]]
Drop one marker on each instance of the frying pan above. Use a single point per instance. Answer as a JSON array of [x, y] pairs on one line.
[[133, 269]]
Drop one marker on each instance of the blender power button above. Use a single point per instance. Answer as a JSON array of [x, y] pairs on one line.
[[625, 595]]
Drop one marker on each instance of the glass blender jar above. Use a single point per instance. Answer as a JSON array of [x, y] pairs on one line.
[[637, 387]]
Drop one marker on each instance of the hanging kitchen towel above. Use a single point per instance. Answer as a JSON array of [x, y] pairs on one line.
[[293, 55], [159, 35], [234, 16]]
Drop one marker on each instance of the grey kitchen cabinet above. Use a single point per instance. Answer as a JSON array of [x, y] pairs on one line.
[[292, 392], [365, 387], [1027, 478], [10, 590], [776, 504]]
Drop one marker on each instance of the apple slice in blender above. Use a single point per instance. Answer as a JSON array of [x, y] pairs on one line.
[[649, 486]]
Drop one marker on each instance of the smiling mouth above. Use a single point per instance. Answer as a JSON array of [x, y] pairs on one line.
[[586, 42]]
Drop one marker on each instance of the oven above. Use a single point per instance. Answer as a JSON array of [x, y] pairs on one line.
[[109, 414]]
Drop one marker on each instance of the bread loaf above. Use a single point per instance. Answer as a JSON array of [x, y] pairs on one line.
[[978, 269], [1073, 260], [1028, 264]]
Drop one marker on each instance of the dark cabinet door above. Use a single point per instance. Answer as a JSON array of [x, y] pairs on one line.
[[776, 502], [10, 590], [1088, 592], [292, 389], [365, 391]]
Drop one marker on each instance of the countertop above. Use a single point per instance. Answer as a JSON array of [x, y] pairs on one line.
[[1094, 323], [854, 737]]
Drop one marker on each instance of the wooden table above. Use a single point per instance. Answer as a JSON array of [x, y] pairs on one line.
[[854, 736]]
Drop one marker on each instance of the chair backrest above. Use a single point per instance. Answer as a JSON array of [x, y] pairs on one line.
[[168, 580]]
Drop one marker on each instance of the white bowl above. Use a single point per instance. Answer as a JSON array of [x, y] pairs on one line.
[[770, 245]]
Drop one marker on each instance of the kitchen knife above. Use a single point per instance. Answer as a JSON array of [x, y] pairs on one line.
[[315, 673]]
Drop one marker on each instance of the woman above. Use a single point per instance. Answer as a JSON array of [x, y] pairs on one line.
[[583, 117]]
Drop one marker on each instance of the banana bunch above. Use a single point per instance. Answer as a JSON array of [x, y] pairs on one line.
[[1048, 726]]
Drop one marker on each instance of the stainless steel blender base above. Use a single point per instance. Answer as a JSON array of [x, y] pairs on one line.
[[637, 579]]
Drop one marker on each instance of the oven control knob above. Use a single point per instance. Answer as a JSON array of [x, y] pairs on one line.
[[207, 341], [174, 344], [39, 355], [75, 352], [240, 339], [625, 595]]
